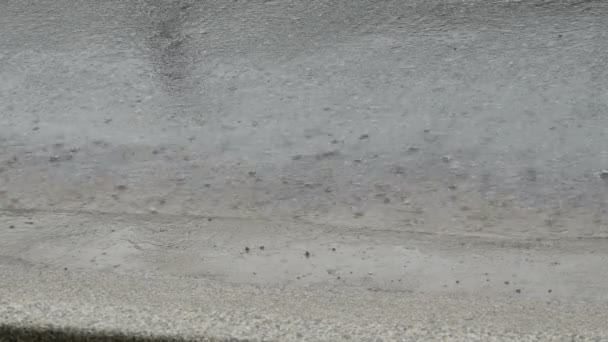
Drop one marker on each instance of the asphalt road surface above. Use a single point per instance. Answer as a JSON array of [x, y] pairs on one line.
[[438, 147]]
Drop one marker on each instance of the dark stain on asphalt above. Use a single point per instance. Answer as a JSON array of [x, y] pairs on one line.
[[12, 161], [398, 170], [169, 48], [327, 155]]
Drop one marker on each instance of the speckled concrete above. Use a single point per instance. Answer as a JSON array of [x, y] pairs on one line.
[[273, 253], [196, 309]]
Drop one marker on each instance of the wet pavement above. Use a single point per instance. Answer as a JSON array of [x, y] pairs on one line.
[[438, 146]]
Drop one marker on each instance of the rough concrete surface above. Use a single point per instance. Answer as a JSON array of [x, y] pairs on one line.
[[434, 148], [197, 309]]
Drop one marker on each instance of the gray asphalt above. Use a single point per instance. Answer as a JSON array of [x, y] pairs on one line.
[[434, 148]]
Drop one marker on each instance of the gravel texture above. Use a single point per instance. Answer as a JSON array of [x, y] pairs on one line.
[[78, 304]]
